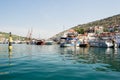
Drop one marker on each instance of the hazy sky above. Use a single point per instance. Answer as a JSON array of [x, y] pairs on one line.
[[48, 17]]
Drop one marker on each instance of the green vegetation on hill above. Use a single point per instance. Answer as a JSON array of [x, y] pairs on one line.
[[110, 21], [15, 37]]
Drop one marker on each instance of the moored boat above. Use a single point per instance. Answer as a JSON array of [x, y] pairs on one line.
[[70, 39], [40, 42], [109, 43], [49, 42]]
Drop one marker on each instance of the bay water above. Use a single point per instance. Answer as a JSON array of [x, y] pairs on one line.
[[50, 62]]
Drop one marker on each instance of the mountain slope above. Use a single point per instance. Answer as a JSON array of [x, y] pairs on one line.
[[6, 36], [110, 21]]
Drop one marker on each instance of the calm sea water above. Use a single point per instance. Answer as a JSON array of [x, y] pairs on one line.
[[31, 62]]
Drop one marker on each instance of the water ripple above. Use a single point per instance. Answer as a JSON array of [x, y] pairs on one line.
[[52, 62]]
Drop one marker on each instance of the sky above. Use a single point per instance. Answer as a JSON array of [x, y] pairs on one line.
[[49, 17]]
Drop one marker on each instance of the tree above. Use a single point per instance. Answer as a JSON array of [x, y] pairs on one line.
[[80, 30]]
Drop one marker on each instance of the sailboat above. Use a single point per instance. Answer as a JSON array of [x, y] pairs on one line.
[[29, 39]]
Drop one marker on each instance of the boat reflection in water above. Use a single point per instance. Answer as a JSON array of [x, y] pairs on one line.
[[53, 62], [100, 59]]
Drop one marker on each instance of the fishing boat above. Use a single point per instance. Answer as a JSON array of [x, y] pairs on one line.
[[104, 39], [40, 42], [101, 43], [69, 42], [97, 43], [49, 42], [70, 39]]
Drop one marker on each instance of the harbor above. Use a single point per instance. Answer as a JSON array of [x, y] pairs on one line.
[[45, 59], [69, 59], [92, 37], [59, 40]]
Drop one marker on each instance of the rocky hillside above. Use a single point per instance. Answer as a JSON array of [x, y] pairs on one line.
[[110, 21]]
